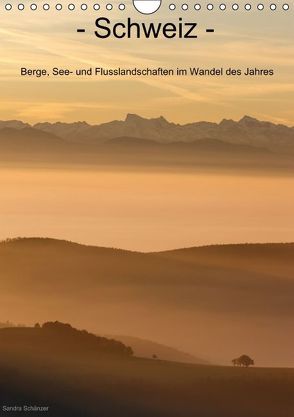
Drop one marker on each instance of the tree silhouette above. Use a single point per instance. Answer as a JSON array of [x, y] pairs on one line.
[[243, 360]]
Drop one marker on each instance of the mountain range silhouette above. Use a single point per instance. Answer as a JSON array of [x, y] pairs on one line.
[[247, 144]]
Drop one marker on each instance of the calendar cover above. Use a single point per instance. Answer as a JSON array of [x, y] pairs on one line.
[[146, 208]]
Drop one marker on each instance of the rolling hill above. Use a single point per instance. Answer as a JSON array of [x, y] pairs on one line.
[[246, 131], [40, 371], [147, 349], [213, 302]]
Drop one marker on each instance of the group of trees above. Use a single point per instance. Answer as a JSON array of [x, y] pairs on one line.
[[243, 360]]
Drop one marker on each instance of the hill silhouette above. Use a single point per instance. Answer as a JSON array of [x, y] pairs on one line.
[[239, 294], [245, 144], [70, 382], [28, 138], [56, 338]]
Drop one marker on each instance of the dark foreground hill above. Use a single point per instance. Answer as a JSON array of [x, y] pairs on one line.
[[247, 144], [214, 302], [148, 349], [140, 347], [76, 384]]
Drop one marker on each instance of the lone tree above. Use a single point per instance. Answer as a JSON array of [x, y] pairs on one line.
[[243, 360]]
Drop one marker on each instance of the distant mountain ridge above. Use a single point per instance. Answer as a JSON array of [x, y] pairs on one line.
[[210, 301], [149, 349], [28, 138], [247, 131]]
